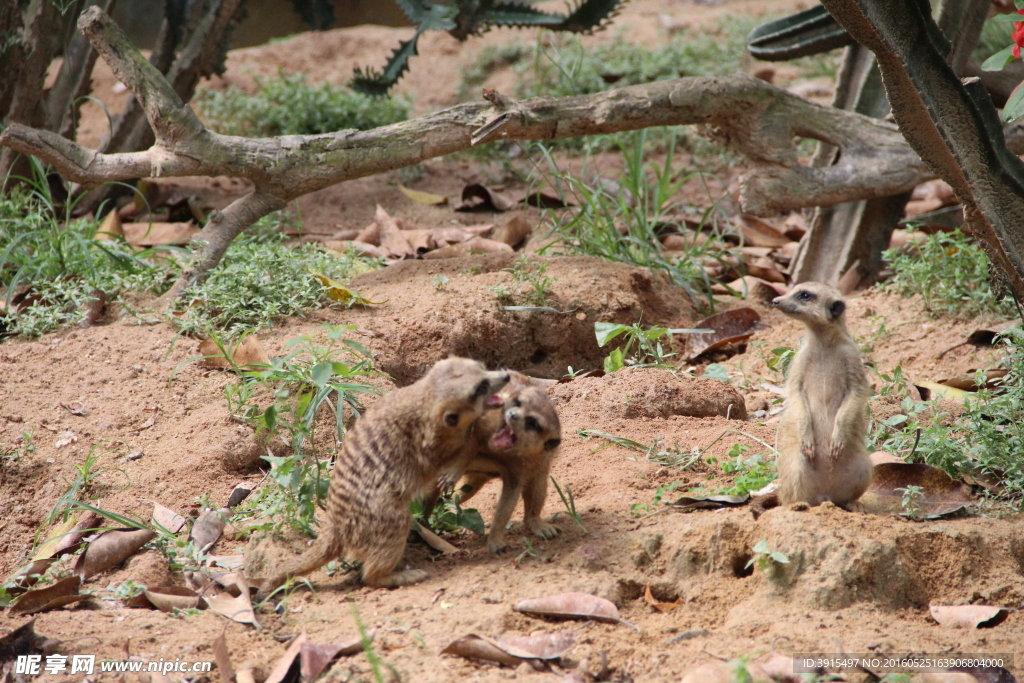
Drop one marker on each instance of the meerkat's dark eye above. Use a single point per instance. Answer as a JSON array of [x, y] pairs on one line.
[[451, 419], [532, 424], [516, 403], [805, 296], [551, 444]]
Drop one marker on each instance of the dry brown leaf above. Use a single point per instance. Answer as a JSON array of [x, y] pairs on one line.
[[759, 233], [421, 241], [110, 228], [659, 606], [64, 592], [882, 457], [245, 355], [475, 245], [478, 197], [730, 327], [752, 289], [76, 408], [473, 646], [983, 337], [315, 657], [968, 381], [420, 197], [941, 494], [369, 235], [167, 518], [208, 528], [393, 241], [280, 671], [238, 494], [158, 234], [572, 606], [517, 229], [223, 659], [714, 502], [546, 200], [231, 562], [236, 607], [435, 541], [63, 536], [167, 599], [968, 616], [110, 549]]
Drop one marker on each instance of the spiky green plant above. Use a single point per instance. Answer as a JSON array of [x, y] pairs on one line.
[[465, 18]]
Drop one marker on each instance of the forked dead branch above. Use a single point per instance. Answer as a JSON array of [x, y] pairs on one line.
[[752, 117]]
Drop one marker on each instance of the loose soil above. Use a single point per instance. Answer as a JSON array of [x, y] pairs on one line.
[[854, 582]]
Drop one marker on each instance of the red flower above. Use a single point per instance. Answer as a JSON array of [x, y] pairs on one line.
[[1018, 35]]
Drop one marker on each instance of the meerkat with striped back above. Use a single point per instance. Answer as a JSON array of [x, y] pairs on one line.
[[397, 449]]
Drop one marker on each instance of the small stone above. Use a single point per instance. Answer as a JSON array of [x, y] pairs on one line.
[[688, 635], [491, 599], [134, 455]]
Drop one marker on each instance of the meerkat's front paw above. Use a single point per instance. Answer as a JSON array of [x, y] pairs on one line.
[[807, 448], [545, 530], [835, 449]]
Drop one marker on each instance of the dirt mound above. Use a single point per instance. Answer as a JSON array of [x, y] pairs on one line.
[[456, 306], [652, 393]]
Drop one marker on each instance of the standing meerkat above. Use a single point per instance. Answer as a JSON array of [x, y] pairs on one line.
[[400, 445], [516, 443], [821, 437]]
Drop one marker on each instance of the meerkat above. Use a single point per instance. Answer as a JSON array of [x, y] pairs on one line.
[[519, 442], [821, 436], [398, 448]]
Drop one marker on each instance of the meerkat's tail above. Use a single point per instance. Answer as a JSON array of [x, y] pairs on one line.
[[327, 546]]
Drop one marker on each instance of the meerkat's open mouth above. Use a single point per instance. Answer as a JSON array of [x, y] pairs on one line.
[[494, 401], [504, 438]]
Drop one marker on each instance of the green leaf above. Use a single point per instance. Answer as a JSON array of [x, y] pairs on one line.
[[761, 547], [716, 371], [605, 332], [999, 60], [655, 333], [470, 518], [781, 558], [270, 418], [1007, 17], [321, 374], [613, 361], [894, 420], [1014, 107]]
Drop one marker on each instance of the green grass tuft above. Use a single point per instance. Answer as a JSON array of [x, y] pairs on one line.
[[287, 105]]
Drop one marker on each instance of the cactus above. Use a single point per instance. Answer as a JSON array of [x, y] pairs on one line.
[[465, 18]]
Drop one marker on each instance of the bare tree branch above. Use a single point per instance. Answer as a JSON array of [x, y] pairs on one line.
[[752, 117]]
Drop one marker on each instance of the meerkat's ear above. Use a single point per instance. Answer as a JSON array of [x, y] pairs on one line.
[[836, 309], [552, 444]]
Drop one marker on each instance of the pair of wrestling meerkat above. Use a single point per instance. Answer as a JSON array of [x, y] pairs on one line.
[[821, 436], [407, 440]]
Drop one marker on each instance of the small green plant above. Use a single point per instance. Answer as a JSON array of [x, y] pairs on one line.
[[764, 557], [656, 453], [440, 282], [951, 273], [306, 383], [570, 504], [448, 515], [754, 471], [81, 488], [287, 105], [623, 221], [52, 267], [371, 655], [912, 496], [126, 590], [260, 280], [644, 343], [779, 361], [530, 283], [641, 510]]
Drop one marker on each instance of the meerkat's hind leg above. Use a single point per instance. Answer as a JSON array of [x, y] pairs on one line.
[[388, 546], [534, 494]]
